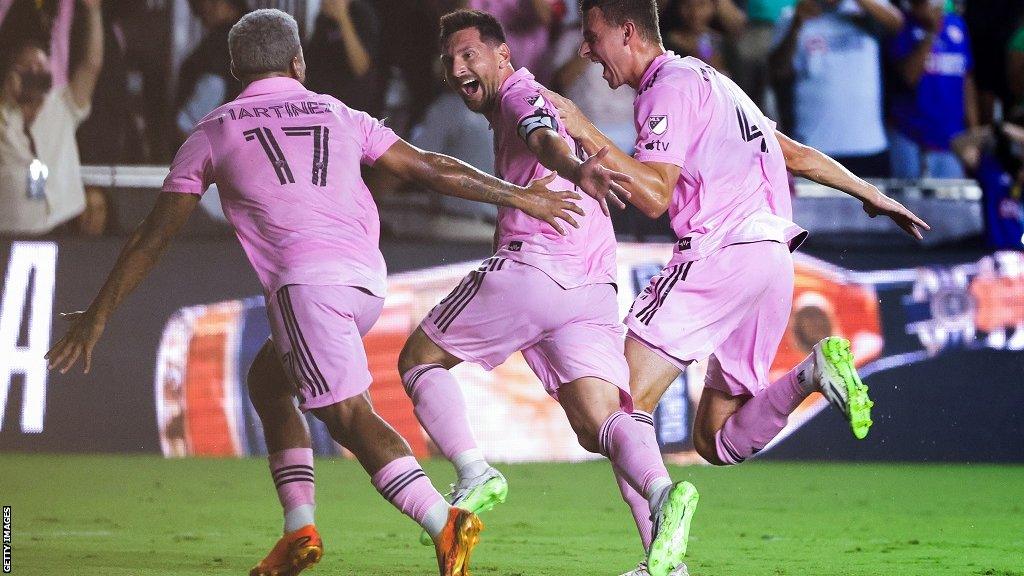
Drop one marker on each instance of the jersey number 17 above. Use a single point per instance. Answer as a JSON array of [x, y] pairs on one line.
[[321, 150]]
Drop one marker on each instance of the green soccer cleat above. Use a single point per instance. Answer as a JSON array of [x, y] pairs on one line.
[[477, 495], [836, 377], [672, 529], [641, 570]]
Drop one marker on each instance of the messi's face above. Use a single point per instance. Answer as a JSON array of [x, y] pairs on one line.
[[473, 68], [605, 44]]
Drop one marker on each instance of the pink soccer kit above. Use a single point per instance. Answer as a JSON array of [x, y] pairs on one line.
[[286, 164], [728, 287], [549, 295]]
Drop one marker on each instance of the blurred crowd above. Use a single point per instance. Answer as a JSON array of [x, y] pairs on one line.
[[902, 89]]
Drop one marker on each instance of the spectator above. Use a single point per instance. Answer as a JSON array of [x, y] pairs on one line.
[[1015, 71], [49, 22], [528, 25], [111, 134], [933, 99], [205, 80], [341, 59], [993, 155], [750, 67], [991, 24], [829, 50], [687, 31], [40, 173], [449, 127], [409, 31]]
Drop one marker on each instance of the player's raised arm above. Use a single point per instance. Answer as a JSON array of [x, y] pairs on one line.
[[652, 182], [137, 258], [807, 162], [453, 177]]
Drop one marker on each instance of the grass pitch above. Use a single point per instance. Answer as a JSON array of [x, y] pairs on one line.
[[142, 516]]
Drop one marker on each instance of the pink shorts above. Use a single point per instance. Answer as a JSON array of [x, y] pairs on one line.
[[318, 333], [733, 305], [505, 306]]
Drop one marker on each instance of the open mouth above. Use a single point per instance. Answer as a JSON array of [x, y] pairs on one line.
[[470, 87]]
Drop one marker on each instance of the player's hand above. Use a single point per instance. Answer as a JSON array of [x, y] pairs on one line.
[[575, 122], [603, 184], [904, 218], [79, 341], [550, 205]]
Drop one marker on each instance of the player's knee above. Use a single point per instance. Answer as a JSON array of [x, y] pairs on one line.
[[706, 447], [418, 350], [341, 418], [587, 432], [266, 382], [407, 359]]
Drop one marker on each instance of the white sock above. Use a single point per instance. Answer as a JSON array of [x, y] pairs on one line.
[[805, 375], [436, 518], [298, 517], [470, 464], [659, 491]]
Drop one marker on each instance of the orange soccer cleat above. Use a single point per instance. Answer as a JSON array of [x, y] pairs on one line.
[[456, 542], [293, 553]]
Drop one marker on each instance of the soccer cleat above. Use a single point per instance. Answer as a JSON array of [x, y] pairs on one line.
[[456, 542], [672, 529], [641, 570], [293, 553], [478, 495], [836, 377]]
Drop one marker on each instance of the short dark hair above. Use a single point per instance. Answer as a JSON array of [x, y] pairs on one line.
[[9, 54], [488, 26], [643, 13]]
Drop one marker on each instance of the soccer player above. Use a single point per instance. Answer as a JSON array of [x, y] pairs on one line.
[[286, 162], [706, 154], [550, 296]]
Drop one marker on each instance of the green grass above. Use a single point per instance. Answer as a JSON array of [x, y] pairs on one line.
[[147, 516]]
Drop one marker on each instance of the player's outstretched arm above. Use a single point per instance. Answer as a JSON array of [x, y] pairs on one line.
[[817, 166], [599, 182], [138, 256], [453, 177], [652, 183]]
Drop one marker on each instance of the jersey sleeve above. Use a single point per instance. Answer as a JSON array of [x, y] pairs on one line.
[[528, 111], [192, 168], [375, 137], [664, 114]]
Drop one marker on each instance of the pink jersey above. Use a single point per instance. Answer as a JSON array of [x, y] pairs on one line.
[[585, 255], [286, 163], [732, 186]]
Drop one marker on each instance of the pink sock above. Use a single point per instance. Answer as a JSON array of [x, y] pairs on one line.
[[403, 483], [638, 506], [292, 470], [754, 425], [629, 446], [439, 406]]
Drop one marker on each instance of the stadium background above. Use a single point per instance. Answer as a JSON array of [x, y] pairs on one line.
[[102, 474]]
